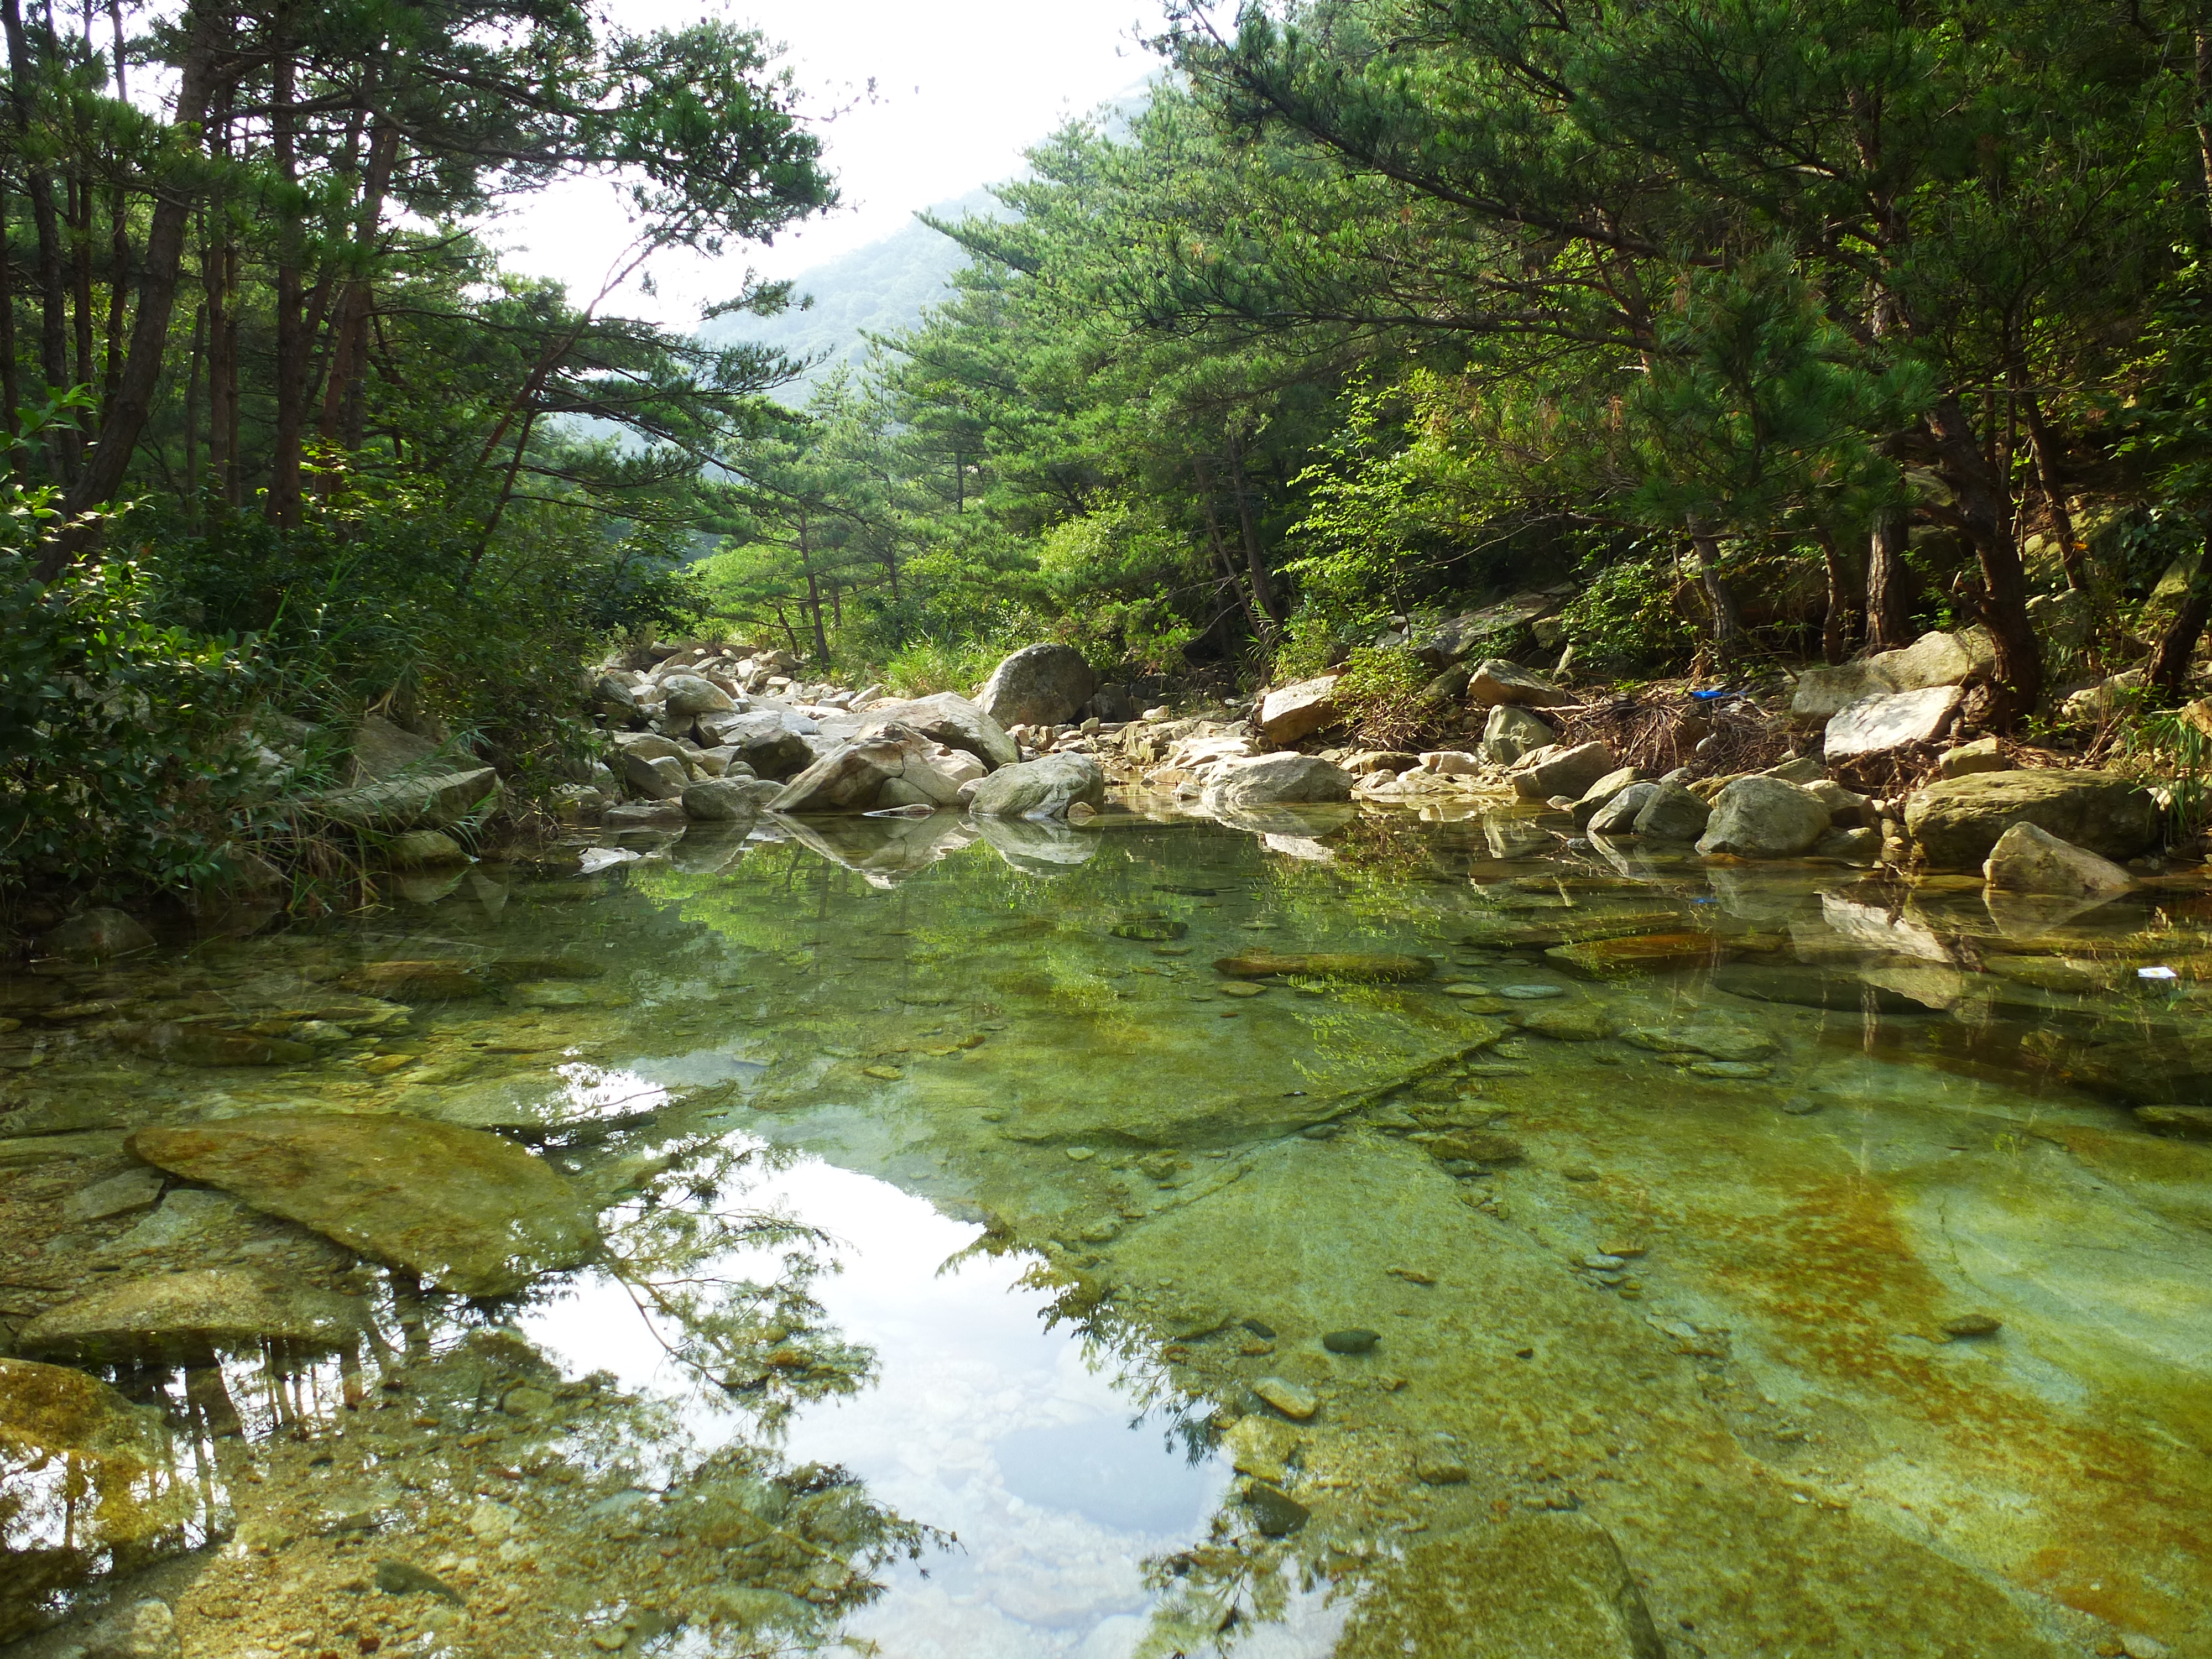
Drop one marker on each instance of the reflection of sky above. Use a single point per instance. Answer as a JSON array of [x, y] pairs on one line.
[[983, 1424]]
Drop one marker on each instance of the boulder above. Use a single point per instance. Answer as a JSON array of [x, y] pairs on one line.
[[1758, 817], [1965, 759], [1038, 685], [437, 801], [1042, 788], [1845, 808], [1494, 680], [1545, 1586], [616, 693], [1893, 719], [2027, 860], [1824, 693], [474, 1212], [95, 936], [852, 777], [1853, 844], [1563, 772], [1954, 824], [1603, 790], [172, 1316], [693, 694], [1450, 764], [1389, 761], [1510, 733], [765, 740], [646, 815], [662, 777], [383, 752], [1299, 711], [423, 849], [646, 746], [728, 800], [1275, 780], [1618, 815], [1933, 660], [953, 721]]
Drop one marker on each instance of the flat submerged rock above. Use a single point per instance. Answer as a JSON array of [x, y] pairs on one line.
[[170, 1316], [460, 1207]]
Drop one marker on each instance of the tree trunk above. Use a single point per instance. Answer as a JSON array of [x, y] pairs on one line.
[[11, 390], [1889, 582], [192, 420], [1836, 627], [343, 399], [1221, 552], [110, 462], [813, 599], [1982, 509], [2045, 453], [1263, 586], [290, 436], [1720, 599], [2170, 658]]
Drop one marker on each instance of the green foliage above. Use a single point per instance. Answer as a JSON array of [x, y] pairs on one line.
[[1626, 621], [1380, 693]]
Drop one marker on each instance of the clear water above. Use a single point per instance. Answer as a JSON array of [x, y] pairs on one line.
[[962, 1220]]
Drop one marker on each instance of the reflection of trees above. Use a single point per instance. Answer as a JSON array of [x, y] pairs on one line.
[[756, 1338]]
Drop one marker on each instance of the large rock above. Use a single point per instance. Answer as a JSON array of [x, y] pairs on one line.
[[660, 777], [1674, 812], [852, 777], [1043, 789], [1617, 815], [383, 752], [1548, 1586], [1604, 790], [95, 936], [1510, 733], [464, 1208], [1892, 719], [2027, 860], [952, 720], [729, 801], [1038, 685], [179, 1316], [1564, 772], [1494, 681], [1297, 711], [764, 739], [434, 802], [1275, 780], [1954, 824], [693, 694], [1762, 817], [1933, 660]]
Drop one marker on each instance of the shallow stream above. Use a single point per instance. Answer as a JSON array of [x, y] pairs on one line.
[[1729, 1261]]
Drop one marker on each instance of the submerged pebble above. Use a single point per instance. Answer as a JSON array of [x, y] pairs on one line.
[[1295, 1403], [1353, 1340]]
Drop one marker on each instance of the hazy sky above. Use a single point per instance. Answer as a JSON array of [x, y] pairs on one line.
[[962, 88]]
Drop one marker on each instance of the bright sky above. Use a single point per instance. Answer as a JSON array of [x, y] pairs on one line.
[[963, 86]]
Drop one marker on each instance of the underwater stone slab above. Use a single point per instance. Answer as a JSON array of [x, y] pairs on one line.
[[1381, 970], [1534, 1585], [179, 1316], [202, 1045], [460, 1207], [1640, 953], [416, 982]]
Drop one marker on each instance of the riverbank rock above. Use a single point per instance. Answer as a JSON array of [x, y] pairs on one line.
[[854, 776], [95, 936], [1043, 788], [1038, 685], [1299, 711], [1494, 681], [1893, 719], [1511, 731], [2027, 860], [1275, 780], [1540, 774], [179, 1316], [1933, 660], [424, 849], [436, 802], [1599, 793], [655, 777], [1550, 1586], [1954, 824], [1674, 812], [1617, 816], [950, 720], [464, 1208], [1762, 817], [763, 740], [1965, 760], [693, 694], [728, 800]]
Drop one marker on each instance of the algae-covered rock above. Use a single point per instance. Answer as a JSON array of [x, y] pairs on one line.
[[1534, 1587], [206, 1045], [1640, 953], [179, 1316], [2027, 860], [1762, 817], [417, 982], [94, 936], [1955, 823], [1041, 788], [1373, 968], [460, 1207]]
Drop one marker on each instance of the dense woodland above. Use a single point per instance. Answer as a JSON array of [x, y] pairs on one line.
[[1780, 330]]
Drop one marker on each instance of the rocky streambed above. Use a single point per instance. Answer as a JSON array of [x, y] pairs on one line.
[[1380, 1227]]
